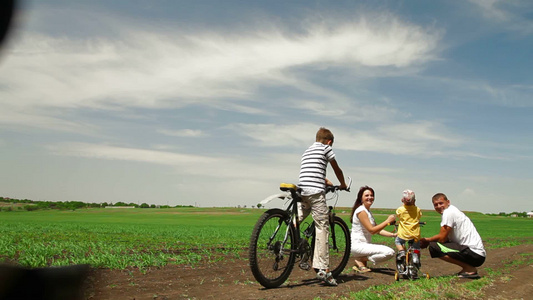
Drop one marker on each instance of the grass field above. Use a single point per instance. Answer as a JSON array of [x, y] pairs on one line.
[[121, 238]]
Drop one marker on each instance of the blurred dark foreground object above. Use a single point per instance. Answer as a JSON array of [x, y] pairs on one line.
[[7, 10], [54, 283]]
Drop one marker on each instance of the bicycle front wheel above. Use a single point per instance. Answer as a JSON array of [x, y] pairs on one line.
[[339, 246], [272, 248]]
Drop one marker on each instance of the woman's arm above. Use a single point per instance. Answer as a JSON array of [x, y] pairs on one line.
[[386, 233], [365, 221]]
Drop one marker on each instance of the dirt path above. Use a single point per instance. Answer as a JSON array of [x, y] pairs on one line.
[[233, 280]]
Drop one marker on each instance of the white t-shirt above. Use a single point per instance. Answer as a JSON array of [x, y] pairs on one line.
[[359, 232], [463, 230]]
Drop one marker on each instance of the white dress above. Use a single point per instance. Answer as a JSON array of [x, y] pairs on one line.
[[362, 240]]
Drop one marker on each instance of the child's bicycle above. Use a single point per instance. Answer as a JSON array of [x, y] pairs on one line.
[[409, 267], [277, 242]]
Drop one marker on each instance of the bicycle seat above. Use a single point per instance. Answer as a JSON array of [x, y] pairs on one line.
[[287, 187]]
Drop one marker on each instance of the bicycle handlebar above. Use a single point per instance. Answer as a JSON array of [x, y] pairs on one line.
[[333, 188], [394, 223]]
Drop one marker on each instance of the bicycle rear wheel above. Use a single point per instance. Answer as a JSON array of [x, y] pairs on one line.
[[272, 245], [339, 246]]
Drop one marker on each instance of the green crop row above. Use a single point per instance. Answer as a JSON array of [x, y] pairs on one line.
[[122, 238]]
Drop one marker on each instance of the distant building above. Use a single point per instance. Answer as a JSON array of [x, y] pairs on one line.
[[530, 214]]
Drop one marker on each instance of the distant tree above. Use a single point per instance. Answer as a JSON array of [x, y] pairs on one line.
[[259, 205], [144, 205], [152, 206], [30, 207]]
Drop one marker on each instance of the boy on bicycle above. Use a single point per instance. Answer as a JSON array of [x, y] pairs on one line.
[[313, 185], [408, 227]]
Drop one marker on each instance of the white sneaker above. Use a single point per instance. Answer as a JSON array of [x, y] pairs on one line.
[[326, 277]]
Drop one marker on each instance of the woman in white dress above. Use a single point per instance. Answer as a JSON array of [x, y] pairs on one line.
[[363, 227]]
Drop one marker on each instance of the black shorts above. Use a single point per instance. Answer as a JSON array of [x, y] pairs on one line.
[[456, 251]]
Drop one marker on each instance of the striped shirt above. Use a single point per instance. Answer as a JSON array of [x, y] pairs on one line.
[[313, 168]]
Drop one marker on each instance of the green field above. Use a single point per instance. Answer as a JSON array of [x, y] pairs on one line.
[[122, 238]]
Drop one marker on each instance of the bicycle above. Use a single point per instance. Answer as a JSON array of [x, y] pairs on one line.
[[278, 243], [409, 267]]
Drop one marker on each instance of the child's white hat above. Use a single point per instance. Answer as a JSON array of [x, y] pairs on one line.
[[408, 196]]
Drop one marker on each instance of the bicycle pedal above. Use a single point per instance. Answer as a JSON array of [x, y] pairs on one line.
[[305, 266]]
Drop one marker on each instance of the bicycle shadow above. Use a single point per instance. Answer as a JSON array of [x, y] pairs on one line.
[[342, 278], [313, 281], [305, 282], [364, 276], [386, 271]]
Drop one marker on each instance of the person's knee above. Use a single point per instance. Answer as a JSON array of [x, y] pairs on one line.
[[322, 223], [389, 253]]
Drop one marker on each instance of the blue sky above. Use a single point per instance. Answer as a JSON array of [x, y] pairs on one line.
[[212, 103]]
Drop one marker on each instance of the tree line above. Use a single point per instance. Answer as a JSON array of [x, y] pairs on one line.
[[29, 205], [513, 214]]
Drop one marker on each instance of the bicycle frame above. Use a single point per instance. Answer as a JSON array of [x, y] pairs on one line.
[[410, 268], [291, 194], [274, 250]]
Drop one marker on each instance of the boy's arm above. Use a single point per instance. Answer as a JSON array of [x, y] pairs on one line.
[[338, 173]]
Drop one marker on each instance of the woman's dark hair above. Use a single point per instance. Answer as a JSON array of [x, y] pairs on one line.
[[359, 199]]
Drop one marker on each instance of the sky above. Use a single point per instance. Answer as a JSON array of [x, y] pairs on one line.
[[212, 103]]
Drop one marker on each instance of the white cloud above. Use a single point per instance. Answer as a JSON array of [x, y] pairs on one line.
[[222, 168], [273, 135], [512, 14], [491, 10], [144, 68], [128, 154], [467, 193], [38, 118], [416, 138], [183, 132]]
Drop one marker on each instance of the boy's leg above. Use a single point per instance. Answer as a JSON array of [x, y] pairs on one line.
[[400, 246], [320, 213], [304, 208], [416, 252], [400, 256], [415, 244]]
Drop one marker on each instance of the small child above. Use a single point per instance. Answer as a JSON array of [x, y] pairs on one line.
[[408, 227]]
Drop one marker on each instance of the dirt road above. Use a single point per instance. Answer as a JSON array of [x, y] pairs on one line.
[[232, 279]]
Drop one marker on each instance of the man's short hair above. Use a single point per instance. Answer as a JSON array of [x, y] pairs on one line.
[[438, 196]]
